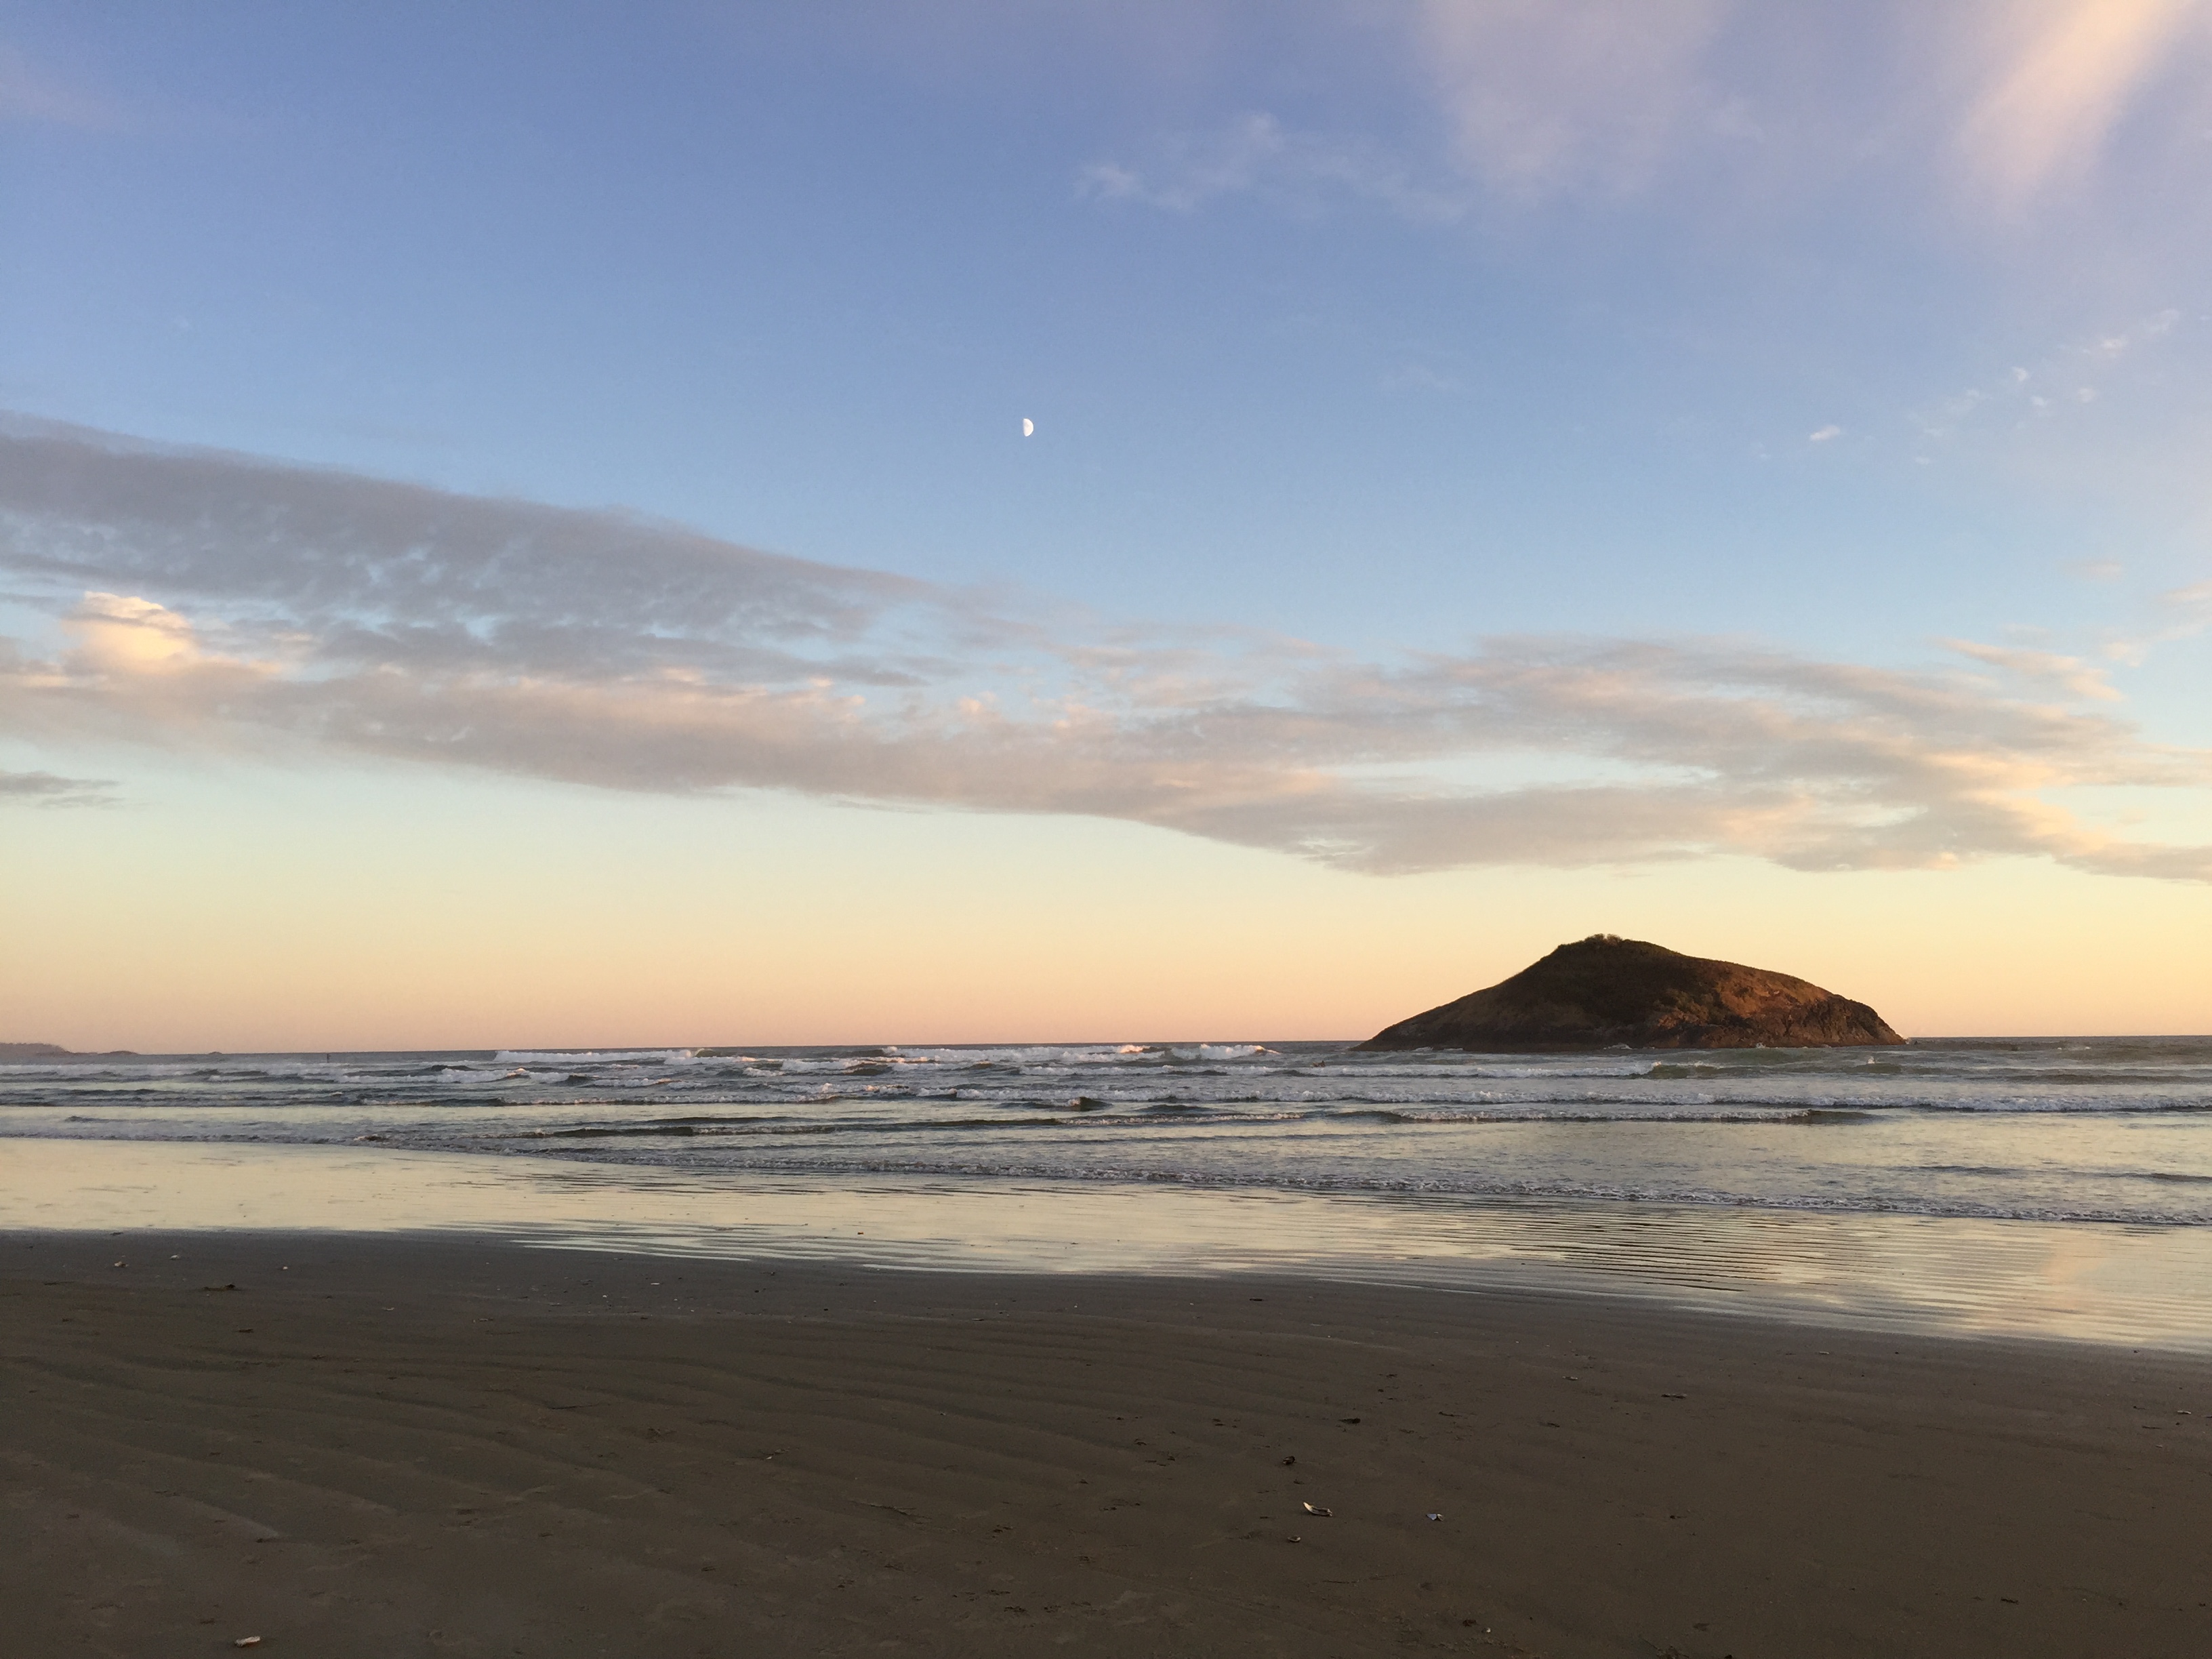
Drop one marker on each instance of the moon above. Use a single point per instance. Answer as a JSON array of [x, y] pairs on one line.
[[1027, 427]]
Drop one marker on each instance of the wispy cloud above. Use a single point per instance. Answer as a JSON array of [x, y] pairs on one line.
[[1991, 111], [2188, 610], [203, 598], [2059, 78], [2068, 381], [30, 93], [1255, 154], [1525, 100], [1540, 97], [45, 789], [1196, 170], [2072, 674], [2196, 599], [2180, 613]]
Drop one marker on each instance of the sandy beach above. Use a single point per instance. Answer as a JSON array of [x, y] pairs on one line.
[[359, 1446]]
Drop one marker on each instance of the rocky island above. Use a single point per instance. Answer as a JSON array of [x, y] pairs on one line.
[[1605, 992]]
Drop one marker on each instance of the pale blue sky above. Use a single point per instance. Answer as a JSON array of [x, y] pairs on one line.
[[1793, 346], [792, 274]]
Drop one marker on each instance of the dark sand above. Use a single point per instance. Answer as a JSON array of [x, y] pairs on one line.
[[391, 1447]]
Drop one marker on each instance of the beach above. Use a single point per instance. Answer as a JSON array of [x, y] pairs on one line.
[[444, 1442]]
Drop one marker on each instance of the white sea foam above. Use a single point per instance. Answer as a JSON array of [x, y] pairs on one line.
[[2110, 1130], [594, 1056]]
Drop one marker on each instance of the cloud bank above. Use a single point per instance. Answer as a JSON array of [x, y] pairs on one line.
[[196, 598]]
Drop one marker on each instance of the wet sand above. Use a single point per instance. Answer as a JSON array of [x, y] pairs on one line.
[[381, 1446]]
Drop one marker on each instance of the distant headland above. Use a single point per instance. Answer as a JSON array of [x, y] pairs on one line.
[[55, 1051], [1607, 991]]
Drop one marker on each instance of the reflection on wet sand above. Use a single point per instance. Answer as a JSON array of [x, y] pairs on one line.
[[2145, 1286]]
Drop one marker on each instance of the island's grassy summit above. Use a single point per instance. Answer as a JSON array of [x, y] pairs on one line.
[[1606, 991]]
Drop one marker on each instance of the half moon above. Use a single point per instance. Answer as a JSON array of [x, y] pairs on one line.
[[1027, 427]]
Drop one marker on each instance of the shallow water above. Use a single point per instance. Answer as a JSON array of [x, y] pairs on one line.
[[2106, 1129], [2145, 1286], [2044, 1186]]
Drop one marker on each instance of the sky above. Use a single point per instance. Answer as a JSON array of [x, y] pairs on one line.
[[516, 527]]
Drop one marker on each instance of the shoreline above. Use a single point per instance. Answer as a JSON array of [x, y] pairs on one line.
[[2115, 1282], [405, 1442]]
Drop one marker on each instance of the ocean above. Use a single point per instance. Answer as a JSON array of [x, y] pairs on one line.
[[2038, 1184]]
